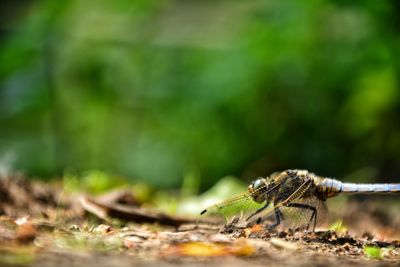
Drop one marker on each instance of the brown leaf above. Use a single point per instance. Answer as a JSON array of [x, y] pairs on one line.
[[257, 228], [26, 233]]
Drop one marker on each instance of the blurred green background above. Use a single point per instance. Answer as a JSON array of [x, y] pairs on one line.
[[161, 90]]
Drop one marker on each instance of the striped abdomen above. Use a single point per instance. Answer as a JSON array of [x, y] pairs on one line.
[[330, 187]]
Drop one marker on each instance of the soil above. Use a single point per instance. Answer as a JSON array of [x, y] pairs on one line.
[[42, 226]]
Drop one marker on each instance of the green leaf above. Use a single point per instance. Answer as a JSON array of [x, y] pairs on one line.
[[373, 252]]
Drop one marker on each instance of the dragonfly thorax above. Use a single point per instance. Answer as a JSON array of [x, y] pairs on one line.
[[257, 189]]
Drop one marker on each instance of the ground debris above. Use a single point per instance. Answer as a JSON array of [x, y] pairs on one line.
[[37, 230], [280, 243], [107, 211], [20, 197]]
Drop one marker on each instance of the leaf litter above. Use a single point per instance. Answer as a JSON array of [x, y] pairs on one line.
[[42, 226]]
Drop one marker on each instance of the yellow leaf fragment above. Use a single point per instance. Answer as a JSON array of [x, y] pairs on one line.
[[204, 249]]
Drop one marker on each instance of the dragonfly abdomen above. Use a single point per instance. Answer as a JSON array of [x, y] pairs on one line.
[[330, 187], [372, 188]]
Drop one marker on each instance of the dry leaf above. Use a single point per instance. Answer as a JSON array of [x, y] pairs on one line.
[[26, 233], [203, 249], [257, 228]]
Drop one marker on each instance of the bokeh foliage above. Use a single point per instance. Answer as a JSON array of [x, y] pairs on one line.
[[158, 90]]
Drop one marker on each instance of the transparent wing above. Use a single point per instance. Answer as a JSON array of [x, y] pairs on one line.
[[301, 216], [242, 205], [296, 209]]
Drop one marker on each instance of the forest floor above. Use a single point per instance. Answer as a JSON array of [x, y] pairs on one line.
[[40, 225]]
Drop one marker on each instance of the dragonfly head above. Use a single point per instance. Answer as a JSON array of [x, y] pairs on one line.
[[257, 188]]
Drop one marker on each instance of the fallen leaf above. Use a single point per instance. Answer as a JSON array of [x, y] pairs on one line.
[[257, 228], [26, 233], [203, 249], [373, 252]]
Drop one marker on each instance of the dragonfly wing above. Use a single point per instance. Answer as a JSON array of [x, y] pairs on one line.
[[299, 214], [291, 201], [242, 205]]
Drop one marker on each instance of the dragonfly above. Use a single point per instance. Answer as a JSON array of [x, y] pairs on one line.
[[296, 197]]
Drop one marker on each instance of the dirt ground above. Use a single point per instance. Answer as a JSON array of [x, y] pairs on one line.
[[42, 226]]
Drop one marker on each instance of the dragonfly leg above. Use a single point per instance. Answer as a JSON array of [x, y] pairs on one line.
[[313, 214], [278, 216], [258, 211]]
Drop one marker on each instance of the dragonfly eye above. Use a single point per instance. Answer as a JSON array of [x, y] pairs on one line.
[[258, 184], [256, 189]]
